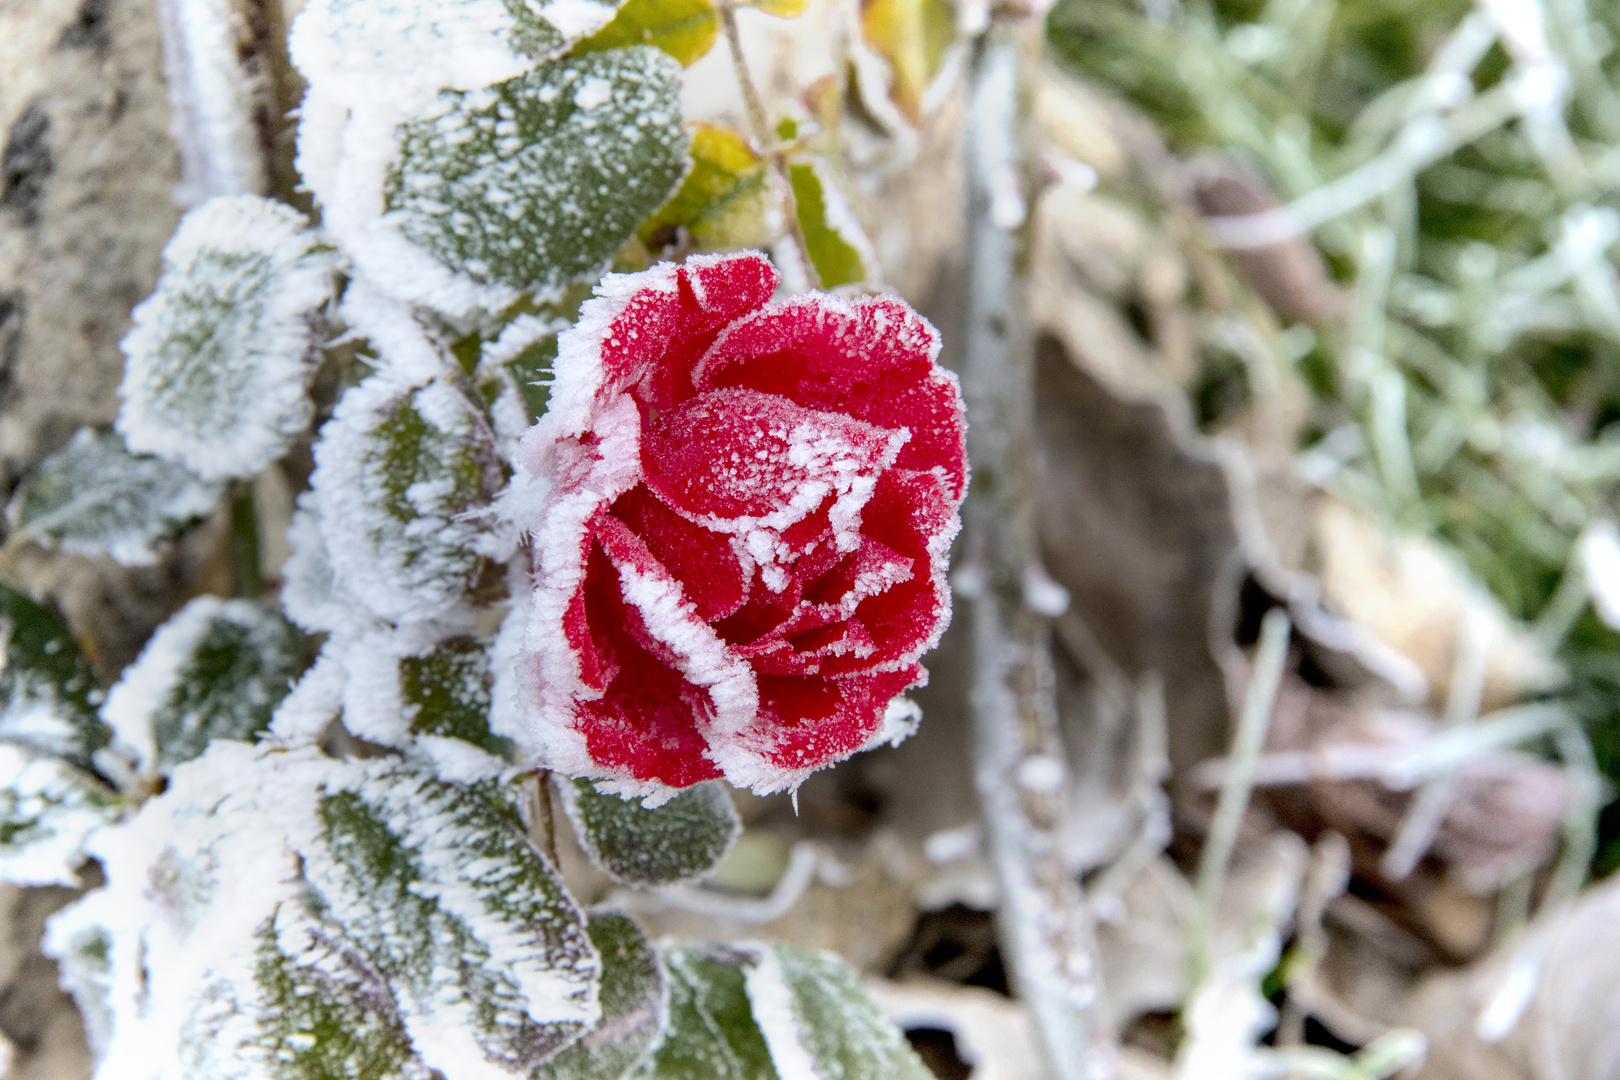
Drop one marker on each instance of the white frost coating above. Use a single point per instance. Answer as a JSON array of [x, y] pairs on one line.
[[147, 684], [518, 335], [76, 937], [458, 760], [900, 722], [578, 18], [506, 715], [311, 596], [372, 65], [212, 101], [406, 554], [221, 354], [777, 1016], [189, 880], [442, 1024], [49, 809], [840, 218], [403, 351], [315, 701], [592, 92], [109, 502], [373, 704]]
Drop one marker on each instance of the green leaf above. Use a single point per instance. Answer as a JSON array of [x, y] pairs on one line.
[[829, 1017], [685, 29], [439, 886], [216, 670], [712, 1033], [447, 693], [48, 809], [48, 692], [544, 176], [221, 354], [838, 247], [724, 202], [635, 1006], [683, 839], [93, 497], [401, 476], [322, 1015]]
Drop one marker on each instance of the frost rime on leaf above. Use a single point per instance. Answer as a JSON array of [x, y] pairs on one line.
[[635, 1006], [398, 473], [439, 886], [48, 693], [47, 810], [93, 497], [216, 670], [542, 177], [682, 839], [220, 356]]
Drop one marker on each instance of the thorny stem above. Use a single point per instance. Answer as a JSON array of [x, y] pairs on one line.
[[1045, 925], [765, 139], [1247, 743]]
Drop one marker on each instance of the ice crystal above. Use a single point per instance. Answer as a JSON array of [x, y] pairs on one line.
[[712, 1032], [48, 809], [634, 1000], [220, 356]]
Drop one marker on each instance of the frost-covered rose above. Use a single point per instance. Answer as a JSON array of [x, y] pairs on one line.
[[740, 512]]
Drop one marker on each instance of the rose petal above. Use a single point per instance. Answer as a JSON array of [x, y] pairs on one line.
[[815, 721], [873, 359], [701, 560]]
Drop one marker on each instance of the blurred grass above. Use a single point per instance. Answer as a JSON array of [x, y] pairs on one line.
[[1474, 393]]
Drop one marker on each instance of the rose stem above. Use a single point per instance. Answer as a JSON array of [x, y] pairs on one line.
[[1020, 769], [542, 825], [766, 139]]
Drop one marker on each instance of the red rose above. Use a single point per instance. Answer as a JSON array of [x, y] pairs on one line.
[[742, 511]]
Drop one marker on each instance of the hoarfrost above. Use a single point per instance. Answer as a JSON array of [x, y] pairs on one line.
[[93, 497], [711, 1031], [401, 476], [634, 1000], [542, 177], [216, 670], [48, 809], [280, 914], [681, 840], [48, 692], [220, 356]]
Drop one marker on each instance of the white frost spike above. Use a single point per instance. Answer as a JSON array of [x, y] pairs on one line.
[[212, 98], [220, 356], [777, 1017]]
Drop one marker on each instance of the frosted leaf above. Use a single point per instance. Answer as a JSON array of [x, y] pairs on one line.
[[325, 1015], [682, 839], [277, 914], [47, 810], [838, 245], [48, 693], [216, 670], [542, 177], [400, 474], [712, 1033], [93, 497], [408, 686], [220, 356], [635, 1006], [439, 885], [82, 945], [820, 1024], [311, 595]]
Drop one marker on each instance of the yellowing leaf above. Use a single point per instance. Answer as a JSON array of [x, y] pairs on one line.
[[724, 202], [782, 9], [912, 35], [838, 247], [685, 29]]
